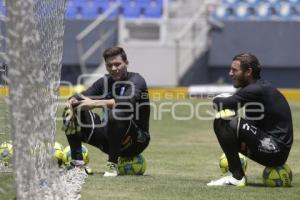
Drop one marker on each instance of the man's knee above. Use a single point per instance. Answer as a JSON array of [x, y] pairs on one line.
[[119, 115], [221, 125], [233, 123]]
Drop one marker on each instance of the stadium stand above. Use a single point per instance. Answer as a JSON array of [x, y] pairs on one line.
[[87, 9], [281, 10]]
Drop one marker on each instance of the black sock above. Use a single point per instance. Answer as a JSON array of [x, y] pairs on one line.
[[229, 144], [75, 145], [116, 131]]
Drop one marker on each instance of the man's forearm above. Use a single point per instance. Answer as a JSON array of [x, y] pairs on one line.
[[109, 103]]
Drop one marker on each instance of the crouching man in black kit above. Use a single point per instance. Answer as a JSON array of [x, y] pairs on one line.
[[124, 129], [265, 134]]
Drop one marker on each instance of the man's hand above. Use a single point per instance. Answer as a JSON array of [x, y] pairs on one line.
[[71, 101], [85, 104]]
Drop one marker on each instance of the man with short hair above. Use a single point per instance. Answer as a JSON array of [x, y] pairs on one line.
[[124, 129], [264, 134]]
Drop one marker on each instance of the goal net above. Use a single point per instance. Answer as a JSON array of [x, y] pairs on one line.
[[34, 32]]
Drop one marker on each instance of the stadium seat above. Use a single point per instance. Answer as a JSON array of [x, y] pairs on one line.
[[284, 11], [219, 13], [71, 10], [295, 13], [130, 9], [252, 13], [2, 10], [74, 8], [90, 10], [79, 3], [102, 2], [143, 3], [242, 11], [153, 10], [225, 12], [269, 12], [263, 11]]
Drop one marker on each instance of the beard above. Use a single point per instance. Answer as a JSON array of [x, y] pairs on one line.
[[241, 82]]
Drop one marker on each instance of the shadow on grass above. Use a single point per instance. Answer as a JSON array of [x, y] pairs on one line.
[[256, 185], [102, 173]]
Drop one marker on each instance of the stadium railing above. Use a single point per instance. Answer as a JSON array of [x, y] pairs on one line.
[[191, 41], [85, 54]]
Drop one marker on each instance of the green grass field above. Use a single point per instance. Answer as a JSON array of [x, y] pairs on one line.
[[182, 157]]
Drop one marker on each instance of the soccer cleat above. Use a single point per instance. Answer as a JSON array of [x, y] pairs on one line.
[[111, 170], [88, 170], [228, 180]]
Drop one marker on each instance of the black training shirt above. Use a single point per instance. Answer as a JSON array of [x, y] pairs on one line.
[[276, 120], [133, 91]]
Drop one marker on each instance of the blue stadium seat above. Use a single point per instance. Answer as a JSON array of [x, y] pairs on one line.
[[102, 5], [2, 10], [79, 3], [225, 12], [295, 13], [90, 10], [242, 11], [143, 3], [267, 12], [74, 8], [153, 10], [131, 9], [71, 10], [102, 2], [287, 11]]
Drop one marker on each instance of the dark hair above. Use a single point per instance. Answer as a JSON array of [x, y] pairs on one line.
[[247, 61], [114, 51]]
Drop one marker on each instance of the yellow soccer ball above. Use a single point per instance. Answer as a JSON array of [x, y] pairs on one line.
[[6, 153], [132, 165], [223, 163], [280, 176], [67, 155], [58, 153]]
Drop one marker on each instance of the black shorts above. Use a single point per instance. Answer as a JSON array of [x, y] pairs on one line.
[[94, 131], [260, 146]]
